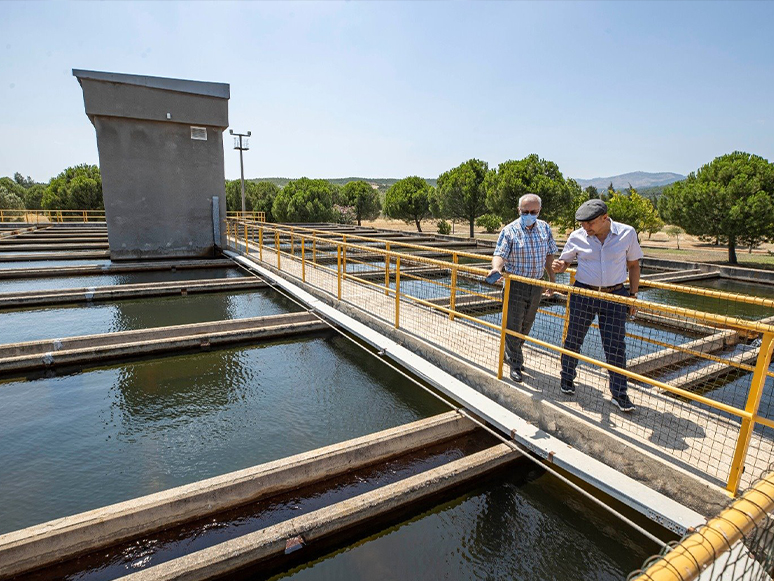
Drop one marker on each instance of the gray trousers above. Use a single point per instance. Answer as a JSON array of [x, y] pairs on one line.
[[523, 303]]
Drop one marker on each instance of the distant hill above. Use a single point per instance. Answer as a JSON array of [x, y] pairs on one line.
[[637, 179], [382, 184]]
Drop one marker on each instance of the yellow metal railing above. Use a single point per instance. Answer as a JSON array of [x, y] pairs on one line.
[[249, 215], [399, 261], [752, 511], [46, 216]]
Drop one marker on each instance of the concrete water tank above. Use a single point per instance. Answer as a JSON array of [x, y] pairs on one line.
[[160, 145]]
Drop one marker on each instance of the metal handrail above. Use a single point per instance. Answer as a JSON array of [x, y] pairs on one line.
[[253, 215], [749, 415], [38, 216]]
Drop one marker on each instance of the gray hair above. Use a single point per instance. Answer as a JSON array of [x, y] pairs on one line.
[[529, 198]]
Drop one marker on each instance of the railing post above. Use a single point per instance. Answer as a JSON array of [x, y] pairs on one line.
[[504, 327], [344, 256], [387, 270], [567, 309], [314, 249], [338, 269], [753, 401], [277, 247], [397, 291], [247, 244], [303, 259], [453, 299], [228, 232], [260, 243], [292, 243]]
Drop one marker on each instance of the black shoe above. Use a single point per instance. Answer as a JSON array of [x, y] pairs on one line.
[[568, 387], [516, 375], [623, 402]]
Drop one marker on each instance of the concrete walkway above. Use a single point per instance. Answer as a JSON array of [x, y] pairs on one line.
[[690, 437]]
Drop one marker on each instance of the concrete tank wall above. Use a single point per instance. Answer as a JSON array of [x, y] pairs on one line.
[[158, 181], [158, 185]]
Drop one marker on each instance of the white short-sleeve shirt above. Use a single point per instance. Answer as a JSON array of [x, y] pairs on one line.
[[602, 264]]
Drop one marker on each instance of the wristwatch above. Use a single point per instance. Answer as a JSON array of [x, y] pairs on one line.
[[632, 294]]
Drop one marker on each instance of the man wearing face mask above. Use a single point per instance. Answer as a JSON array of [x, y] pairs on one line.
[[526, 248], [605, 251]]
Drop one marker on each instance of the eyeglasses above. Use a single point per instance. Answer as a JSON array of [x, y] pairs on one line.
[[533, 212]]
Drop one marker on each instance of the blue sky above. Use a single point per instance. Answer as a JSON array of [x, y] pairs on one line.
[[391, 89]]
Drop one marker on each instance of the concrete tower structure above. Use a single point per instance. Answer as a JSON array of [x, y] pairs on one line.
[[160, 148]]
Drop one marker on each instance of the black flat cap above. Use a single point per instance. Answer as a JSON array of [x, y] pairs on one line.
[[590, 209]]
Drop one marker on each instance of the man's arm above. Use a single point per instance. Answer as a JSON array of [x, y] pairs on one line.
[[551, 275], [634, 275], [497, 265], [634, 281], [569, 252], [550, 267], [502, 247]]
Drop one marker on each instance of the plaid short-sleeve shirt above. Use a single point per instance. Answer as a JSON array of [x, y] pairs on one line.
[[525, 250]]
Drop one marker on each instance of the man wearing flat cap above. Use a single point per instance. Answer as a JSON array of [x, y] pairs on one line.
[[605, 251]]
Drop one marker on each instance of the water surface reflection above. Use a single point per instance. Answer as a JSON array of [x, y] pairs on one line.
[[76, 442], [57, 322], [523, 526]]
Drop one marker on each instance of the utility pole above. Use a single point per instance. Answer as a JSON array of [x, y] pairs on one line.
[[242, 144]]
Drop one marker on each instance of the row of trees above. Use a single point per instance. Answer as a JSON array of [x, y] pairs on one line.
[[307, 200], [478, 195], [729, 200], [75, 188]]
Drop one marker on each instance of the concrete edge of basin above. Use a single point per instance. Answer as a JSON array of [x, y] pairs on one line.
[[57, 540], [248, 549]]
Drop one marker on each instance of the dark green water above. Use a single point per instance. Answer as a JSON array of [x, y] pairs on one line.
[[715, 305], [54, 283], [737, 286], [524, 526], [57, 322], [53, 263], [77, 442]]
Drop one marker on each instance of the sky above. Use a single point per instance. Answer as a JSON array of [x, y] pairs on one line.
[[392, 89]]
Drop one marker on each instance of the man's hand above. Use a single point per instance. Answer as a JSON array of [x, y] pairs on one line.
[[559, 266], [498, 271], [548, 293]]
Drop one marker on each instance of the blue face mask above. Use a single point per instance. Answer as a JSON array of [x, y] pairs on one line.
[[528, 219]]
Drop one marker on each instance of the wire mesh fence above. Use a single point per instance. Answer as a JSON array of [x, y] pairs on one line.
[[51, 216], [695, 361], [249, 215], [737, 544]]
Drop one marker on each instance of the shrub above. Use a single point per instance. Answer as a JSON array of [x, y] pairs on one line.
[[490, 222], [344, 214], [443, 227]]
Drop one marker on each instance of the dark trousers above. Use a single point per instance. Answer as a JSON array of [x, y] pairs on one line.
[[523, 303], [612, 330]]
